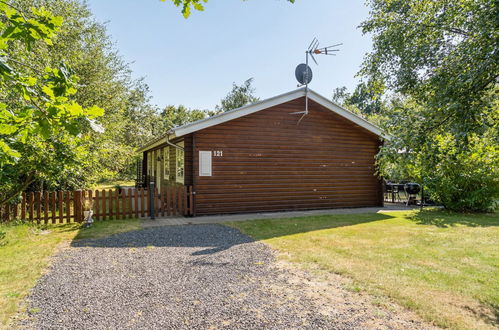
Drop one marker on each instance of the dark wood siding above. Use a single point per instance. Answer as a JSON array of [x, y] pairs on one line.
[[270, 163]]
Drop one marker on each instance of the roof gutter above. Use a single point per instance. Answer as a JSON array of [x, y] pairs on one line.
[[173, 144], [161, 140]]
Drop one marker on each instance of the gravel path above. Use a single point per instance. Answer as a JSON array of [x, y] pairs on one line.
[[192, 277]]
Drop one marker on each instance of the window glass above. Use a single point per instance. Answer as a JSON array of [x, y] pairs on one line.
[[180, 163], [166, 162], [149, 163]]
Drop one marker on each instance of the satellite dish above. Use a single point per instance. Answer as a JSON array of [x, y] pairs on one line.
[[303, 74]]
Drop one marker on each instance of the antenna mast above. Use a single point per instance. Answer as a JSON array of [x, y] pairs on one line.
[[303, 72]]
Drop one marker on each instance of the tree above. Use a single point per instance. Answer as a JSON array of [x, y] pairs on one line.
[[172, 116], [187, 5], [41, 125], [104, 80], [239, 96], [362, 98], [443, 57]]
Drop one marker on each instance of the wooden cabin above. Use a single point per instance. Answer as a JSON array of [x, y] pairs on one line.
[[262, 157]]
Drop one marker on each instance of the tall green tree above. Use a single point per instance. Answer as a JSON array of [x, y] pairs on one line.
[[173, 116], [104, 80], [42, 126], [443, 57], [362, 98], [239, 96]]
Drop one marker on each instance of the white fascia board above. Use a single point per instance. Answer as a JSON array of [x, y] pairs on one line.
[[346, 114], [237, 113]]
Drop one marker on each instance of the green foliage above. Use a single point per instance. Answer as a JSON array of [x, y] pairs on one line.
[[362, 98], [462, 177], [172, 116], [41, 124], [239, 96], [443, 57], [104, 81], [196, 4], [468, 180]]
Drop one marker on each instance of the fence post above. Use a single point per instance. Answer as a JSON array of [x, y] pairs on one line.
[[152, 200], [77, 205]]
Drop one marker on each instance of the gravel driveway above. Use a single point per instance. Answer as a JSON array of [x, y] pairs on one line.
[[198, 276]]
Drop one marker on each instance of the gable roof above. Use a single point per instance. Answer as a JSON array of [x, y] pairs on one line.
[[261, 105]]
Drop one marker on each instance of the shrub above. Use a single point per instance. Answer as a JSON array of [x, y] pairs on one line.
[[465, 180]]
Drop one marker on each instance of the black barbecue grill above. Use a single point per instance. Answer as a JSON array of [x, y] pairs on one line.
[[412, 189]]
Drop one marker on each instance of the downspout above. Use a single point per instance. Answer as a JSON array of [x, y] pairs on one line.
[[172, 144]]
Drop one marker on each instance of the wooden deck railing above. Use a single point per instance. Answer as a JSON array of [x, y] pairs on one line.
[[68, 206]]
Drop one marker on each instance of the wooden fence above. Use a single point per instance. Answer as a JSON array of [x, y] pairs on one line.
[[68, 206]]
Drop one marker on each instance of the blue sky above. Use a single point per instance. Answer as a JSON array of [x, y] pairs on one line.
[[194, 61]]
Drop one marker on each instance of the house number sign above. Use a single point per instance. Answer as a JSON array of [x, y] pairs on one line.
[[218, 153]]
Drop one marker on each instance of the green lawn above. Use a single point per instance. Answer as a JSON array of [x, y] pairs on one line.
[[443, 266], [25, 252], [113, 184]]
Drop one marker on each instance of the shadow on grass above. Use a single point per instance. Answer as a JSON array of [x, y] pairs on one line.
[[270, 228], [445, 219]]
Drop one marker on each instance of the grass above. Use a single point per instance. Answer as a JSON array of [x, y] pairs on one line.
[[25, 253], [113, 184], [443, 266]]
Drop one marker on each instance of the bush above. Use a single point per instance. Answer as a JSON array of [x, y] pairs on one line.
[[465, 180]]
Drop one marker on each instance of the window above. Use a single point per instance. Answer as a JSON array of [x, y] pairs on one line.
[[204, 163], [149, 163], [179, 159], [166, 163]]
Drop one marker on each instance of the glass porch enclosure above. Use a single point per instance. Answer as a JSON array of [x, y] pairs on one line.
[[165, 166]]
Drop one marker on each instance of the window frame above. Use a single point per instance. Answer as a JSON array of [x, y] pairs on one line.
[[166, 164], [180, 164]]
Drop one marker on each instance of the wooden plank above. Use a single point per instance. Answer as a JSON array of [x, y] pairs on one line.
[[97, 205], [191, 201], [185, 208], [174, 200], [136, 200], [148, 202], [163, 201], [167, 199], [106, 206], [142, 201], [123, 204], [179, 200], [91, 199], [103, 208], [53, 206], [77, 199], [67, 208], [38, 204], [60, 198], [116, 204], [130, 203], [157, 202]]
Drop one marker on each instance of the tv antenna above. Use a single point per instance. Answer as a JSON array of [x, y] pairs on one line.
[[303, 72]]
